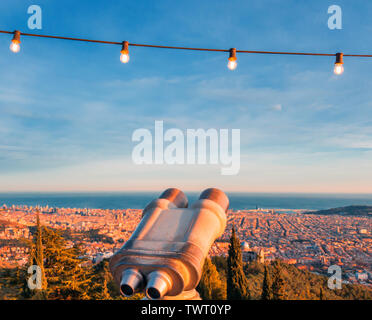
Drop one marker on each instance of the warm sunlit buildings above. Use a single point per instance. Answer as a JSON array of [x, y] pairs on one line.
[[312, 242]]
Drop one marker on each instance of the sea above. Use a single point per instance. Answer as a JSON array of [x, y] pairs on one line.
[[138, 200]]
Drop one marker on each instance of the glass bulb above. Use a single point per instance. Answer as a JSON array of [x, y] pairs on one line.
[[339, 68], [124, 57], [14, 46], [232, 64]]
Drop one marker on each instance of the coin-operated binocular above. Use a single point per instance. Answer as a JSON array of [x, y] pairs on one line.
[[164, 256]]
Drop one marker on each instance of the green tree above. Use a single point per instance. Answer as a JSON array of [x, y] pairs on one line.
[[237, 284], [61, 266], [307, 294], [102, 285], [36, 257], [278, 286], [105, 294], [211, 287], [266, 286], [321, 294]]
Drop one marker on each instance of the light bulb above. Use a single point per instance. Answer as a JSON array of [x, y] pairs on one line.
[[339, 64], [339, 68], [16, 41], [14, 46], [124, 57], [232, 64]]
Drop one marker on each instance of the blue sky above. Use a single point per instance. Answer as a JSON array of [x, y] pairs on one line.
[[68, 109]]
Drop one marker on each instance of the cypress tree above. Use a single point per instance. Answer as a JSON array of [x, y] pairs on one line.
[[321, 294], [237, 284], [39, 253], [36, 257], [308, 295], [211, 287], [266, 286], [278, 287]]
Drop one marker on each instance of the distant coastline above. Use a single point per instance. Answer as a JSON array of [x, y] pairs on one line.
[[138, 200], [346, 211]]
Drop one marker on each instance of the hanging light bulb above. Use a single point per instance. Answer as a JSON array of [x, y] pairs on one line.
[[339, 65], [124, 57], [15, 44], [232, 64]]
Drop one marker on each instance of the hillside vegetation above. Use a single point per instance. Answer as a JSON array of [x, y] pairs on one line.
[[346, 211], [69, 276]]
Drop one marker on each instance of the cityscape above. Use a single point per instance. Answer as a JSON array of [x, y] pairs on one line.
[[198, 153], [308, 241]]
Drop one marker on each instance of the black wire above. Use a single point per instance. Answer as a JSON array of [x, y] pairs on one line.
[[187, 48]]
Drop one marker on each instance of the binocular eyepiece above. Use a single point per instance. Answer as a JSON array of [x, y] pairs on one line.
[[165, 254], [131, 281]]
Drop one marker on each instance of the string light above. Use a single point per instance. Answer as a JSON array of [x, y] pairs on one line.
[[15, 44], [124, 57], [232, 64], [339, 64]]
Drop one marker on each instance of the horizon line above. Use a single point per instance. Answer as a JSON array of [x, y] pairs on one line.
[[190, 191]]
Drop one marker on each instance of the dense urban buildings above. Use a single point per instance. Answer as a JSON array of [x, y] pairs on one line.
[[312, 242]]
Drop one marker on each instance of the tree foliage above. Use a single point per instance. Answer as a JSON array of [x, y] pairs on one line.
[[278, 289], [211, 287], [237, 286], [69, 276], [267, 286], [63, 265]]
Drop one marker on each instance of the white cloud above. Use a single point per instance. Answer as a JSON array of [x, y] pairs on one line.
[[278, 107]]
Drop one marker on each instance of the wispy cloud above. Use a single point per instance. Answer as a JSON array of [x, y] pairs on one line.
[[278, 107], [68, 110]]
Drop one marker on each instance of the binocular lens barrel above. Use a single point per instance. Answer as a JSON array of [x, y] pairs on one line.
[[158, 284], [175, 196], [217, 196], [131, 281]]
